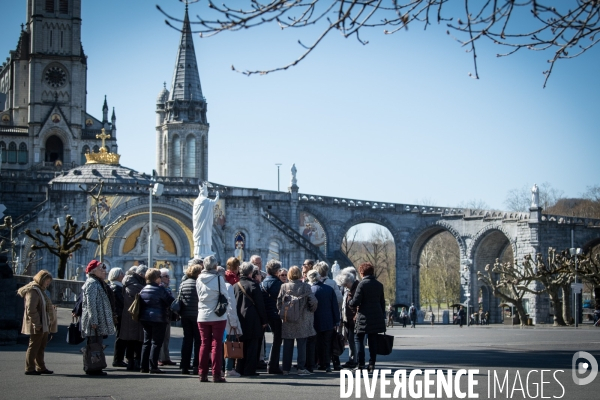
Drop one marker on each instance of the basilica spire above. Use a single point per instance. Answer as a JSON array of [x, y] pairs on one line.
[[186, 79]]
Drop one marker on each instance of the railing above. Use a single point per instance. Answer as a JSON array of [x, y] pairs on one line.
[[19, 130], [62, 291], [294, 235]]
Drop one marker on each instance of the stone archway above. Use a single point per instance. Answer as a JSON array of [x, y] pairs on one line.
[[53, 149], [488, 245]]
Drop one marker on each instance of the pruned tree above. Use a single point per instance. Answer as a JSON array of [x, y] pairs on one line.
[[509, 283], [589, 270], [553, 274], [566, 29], [62, 242]]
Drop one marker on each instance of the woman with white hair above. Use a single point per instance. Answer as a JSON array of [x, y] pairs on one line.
[[115, 278], [347, 280], [210, 285]]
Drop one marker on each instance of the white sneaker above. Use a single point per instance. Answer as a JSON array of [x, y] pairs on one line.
[[304, 372], [232, 374]]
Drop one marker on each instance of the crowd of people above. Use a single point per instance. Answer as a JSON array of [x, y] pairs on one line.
[[239, 302]]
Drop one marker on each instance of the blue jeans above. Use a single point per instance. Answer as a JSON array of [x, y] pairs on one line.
[[359, 339], [288, 353]]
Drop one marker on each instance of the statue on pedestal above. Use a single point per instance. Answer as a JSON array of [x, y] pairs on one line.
[[203, 218], [535, 196]]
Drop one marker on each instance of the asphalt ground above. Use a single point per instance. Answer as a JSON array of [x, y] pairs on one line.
[[519, 363]]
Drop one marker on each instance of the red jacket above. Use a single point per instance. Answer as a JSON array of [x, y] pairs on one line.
[[231, 278]]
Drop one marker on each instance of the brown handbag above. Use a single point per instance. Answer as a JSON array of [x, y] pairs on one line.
[[233, 348]]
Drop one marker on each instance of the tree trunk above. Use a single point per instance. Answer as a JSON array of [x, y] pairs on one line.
[[566, 304], [556, 308], [62, 266], [521, 312]]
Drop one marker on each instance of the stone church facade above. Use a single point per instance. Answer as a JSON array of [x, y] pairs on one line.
[[289, 226]]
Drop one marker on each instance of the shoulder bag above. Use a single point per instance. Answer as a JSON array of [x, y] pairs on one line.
[[134, 309], [222, 302]]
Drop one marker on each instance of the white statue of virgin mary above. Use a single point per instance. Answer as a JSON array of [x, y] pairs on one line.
[[203, 217]]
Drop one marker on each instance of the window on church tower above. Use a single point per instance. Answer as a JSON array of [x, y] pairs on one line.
[[3, 152], [189, 166], [23, 154], [96, 149], [11, 156], [176, 157], [63, 6], [50, 6]]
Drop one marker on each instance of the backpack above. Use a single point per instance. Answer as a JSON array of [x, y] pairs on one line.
[[290, 310]]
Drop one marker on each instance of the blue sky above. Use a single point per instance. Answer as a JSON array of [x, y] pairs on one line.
[[398, 120]]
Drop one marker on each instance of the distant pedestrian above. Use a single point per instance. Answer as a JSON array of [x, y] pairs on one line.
[[39, 321], [412, 314], [403, 316], [390, 318], [347, 279], [432, 317], [460, 316]]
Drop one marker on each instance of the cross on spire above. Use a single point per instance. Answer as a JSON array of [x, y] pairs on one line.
[[103, 136]]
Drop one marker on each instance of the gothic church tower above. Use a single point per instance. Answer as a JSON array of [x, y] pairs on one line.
[[181, 125], [43, 118]]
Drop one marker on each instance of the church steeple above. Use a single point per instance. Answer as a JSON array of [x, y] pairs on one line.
[[105, 111], [186, 79]]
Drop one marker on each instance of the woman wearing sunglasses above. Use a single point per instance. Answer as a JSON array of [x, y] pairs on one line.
[[97, 319]]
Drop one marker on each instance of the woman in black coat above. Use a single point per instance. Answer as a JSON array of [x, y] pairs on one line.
[[253, 319], [188, 298], [370, 315]]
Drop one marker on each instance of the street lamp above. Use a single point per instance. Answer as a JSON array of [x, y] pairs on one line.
[[278, 165], [576, 287], [155, 190], [467, 292]]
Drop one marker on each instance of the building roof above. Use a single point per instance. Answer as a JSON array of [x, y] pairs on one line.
[[92, 173], [186, 78]]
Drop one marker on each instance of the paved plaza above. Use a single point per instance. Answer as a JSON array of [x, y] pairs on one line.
[[494, 348]]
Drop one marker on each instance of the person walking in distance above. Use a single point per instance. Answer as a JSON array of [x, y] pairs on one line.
[[412, 313]]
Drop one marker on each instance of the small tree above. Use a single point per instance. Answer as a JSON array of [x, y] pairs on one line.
[[64, 242]]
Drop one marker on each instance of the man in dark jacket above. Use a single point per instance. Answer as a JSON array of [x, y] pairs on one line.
[[253, 318], [327, 316], [370, 316], [270, 288], [461, 316]]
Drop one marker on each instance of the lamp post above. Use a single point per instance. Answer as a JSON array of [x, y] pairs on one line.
[[156, 189], [278, 165], [574, 252], [467, 292]]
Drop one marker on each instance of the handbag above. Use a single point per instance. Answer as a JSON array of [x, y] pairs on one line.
[[93, 355], [385, 344], [74, 332], [339, 344], [176, 304], [222, 302], [233, 348], [134, 308]]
